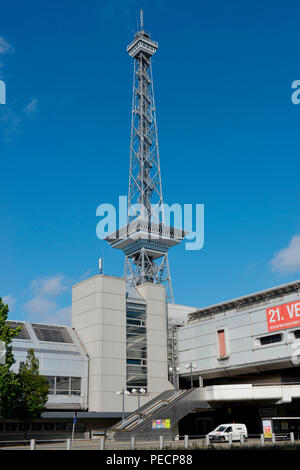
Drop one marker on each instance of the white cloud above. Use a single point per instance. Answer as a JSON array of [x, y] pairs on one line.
[[13, 116], [288, 259], [44, 306], [5, 47], [86, 274], [43, 310], [10, 119], [31, 108], [40, 306], [11, 301], [62, 316], [51, 286]]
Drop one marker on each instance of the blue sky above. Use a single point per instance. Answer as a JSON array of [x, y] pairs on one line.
[[228, 137]]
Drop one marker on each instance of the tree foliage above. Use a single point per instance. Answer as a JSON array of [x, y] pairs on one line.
[[24, 394], [33, 389], [9, 385]]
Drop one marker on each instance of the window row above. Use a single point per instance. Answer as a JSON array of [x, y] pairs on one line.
[[223, 341], [64, 385], [40, 426], [54, 334], [278, 337], [136, 349]]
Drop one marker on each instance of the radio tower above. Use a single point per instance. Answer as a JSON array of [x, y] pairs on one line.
[[146, 239]]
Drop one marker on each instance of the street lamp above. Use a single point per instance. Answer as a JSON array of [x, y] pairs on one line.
[[138, 392], [123, 393], [175, 371], [191, 366]]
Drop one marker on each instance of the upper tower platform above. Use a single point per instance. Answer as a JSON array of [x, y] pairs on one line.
[[142, 42]]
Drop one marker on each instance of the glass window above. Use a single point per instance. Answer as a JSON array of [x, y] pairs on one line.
[[80, 426], [222, 343], [229, 429], [138, 352], [10, 427], [291, 377], [297, 334], [61, 426], [36, 426], [136, 330], [51, 383], [136, 349], [270, 339], [49, 426], [62, 385], [136, 315], [1, 427], [24, 427], [135, 322], [23, 333], [56, 334], [75, 385], [136, 369], [220, 429], [137, 381]]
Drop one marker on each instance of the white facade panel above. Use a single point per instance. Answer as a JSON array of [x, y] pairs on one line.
[[244, 328]]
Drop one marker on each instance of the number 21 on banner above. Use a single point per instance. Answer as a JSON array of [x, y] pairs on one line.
[[274, 315]]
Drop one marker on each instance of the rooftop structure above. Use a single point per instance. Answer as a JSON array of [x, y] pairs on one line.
[[263, 296], [62, 360]]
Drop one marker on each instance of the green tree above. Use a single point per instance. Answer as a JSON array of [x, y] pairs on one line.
[[9, 385], [33, 390]]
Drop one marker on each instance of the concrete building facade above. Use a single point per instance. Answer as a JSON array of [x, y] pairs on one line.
[[244, 353], [124, 334]]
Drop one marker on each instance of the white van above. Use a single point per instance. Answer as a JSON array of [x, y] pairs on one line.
[[221, 433]]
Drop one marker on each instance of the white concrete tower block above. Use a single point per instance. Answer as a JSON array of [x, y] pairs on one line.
[[99, 318]]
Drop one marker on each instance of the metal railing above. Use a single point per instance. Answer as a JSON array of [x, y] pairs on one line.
[[158, 443]]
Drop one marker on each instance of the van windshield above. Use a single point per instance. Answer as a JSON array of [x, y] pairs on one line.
[[220, 428]]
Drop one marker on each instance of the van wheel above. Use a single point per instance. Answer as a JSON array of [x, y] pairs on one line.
[[222, 438]]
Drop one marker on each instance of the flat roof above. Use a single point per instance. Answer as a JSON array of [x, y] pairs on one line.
[[245, 300]]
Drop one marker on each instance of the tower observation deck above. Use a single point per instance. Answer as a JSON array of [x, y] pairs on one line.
[[145, 239]]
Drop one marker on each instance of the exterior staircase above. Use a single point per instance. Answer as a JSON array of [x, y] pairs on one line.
[[169, 405]]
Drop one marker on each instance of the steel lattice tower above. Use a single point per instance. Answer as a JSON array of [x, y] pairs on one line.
[[146, 239]]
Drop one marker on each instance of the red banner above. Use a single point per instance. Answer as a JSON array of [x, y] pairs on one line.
[[283, 316]]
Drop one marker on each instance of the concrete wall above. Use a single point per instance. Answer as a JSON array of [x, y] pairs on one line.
[[197, 342], [99, 317]]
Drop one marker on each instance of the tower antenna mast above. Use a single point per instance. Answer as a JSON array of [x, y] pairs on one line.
[[142, 19]]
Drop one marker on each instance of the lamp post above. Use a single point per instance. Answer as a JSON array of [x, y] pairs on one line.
[[123, 393], [175, 371], [191, 366], [138, 392]]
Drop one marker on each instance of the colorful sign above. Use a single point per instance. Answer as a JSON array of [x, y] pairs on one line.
[[267, 428], [161, 424], [283, 316]]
